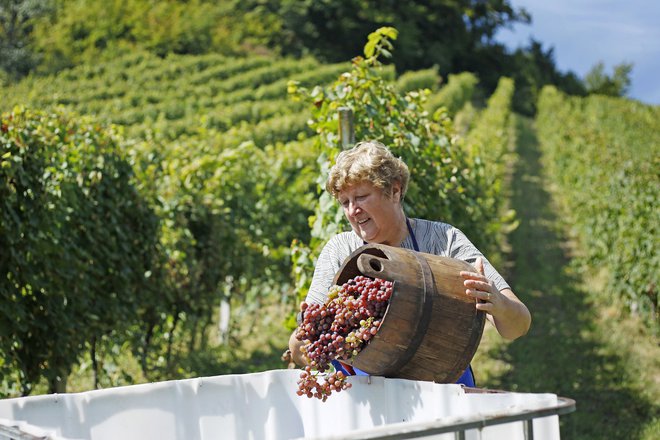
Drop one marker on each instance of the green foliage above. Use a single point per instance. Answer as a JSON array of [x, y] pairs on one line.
[[227, 218], [454, 95], [491, 142], [79, 242], [419, 80], [242, 98], [465, 118], [598, 82], [82, 31], [227, 172], [454, 36], [531, 68], [17, 18], [220, 156], [444, 181], [603, 154], [610, 358], [436, 32]]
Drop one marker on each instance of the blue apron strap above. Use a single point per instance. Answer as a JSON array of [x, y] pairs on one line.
[[412, 235]]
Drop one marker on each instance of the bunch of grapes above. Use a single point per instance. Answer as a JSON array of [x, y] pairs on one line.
[[338, 330]]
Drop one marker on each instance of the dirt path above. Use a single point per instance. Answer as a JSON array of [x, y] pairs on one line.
[[566, 351]]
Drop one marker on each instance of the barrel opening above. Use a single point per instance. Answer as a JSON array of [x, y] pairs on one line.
[[350, 267], [376, 264]]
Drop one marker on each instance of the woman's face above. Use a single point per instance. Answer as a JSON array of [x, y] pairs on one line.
[[374, 216]]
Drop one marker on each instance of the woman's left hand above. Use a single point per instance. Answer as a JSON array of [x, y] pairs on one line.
[[509, 315], [490, 300]]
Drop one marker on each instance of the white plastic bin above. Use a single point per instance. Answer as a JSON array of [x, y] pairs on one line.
[[265, 406]]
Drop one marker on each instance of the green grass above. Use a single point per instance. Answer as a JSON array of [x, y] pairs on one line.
[[580, 346], [256, 343]]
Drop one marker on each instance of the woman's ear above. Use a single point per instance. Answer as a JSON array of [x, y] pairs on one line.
[[396, 192]]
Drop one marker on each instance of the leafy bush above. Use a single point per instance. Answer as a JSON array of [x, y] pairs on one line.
[[490, 142], [455, 94], [604, 154], [79, 242], [419, 80]]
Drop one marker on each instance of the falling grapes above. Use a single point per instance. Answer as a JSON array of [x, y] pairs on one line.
[[338, 330]]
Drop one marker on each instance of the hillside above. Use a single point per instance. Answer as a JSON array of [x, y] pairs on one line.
[[223, 163]]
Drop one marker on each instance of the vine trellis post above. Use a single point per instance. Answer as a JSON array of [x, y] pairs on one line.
[[346, 128]]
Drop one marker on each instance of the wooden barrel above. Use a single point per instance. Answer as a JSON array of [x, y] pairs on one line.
[[431, 328]]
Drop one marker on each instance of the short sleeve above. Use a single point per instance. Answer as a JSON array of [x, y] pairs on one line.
[[332, 256], [461, 248]]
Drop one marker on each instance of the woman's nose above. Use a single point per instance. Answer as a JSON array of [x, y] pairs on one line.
[[353, 208]]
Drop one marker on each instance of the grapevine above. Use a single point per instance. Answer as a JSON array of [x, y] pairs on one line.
[[339, 329]]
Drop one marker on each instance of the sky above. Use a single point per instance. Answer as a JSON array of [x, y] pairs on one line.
[[584, 32]]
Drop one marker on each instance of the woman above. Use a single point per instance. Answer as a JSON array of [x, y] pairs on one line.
[[370, 183]]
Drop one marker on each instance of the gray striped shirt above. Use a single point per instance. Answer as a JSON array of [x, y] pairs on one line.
[[435, 238]]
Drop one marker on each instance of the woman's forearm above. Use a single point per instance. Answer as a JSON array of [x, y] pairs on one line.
[[514, 319]]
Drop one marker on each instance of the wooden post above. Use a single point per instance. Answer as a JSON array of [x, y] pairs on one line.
[[346, 128]]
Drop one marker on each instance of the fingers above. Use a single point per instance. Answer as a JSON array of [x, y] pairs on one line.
[[485, 306], [479, 294], [479, 265], [479, 287], [473, 276], [479, 274], [484, 285]]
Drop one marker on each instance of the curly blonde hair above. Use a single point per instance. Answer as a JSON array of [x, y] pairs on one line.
[[369, 161]]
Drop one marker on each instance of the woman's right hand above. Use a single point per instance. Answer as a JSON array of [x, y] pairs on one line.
[[295, 346]]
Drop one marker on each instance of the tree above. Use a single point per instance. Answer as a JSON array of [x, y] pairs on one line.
[[432, 32], [533, 67], [16, 22], [454, 35], [599, 82]]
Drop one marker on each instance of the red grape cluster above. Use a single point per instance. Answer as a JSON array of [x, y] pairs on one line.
[[338, 329]]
